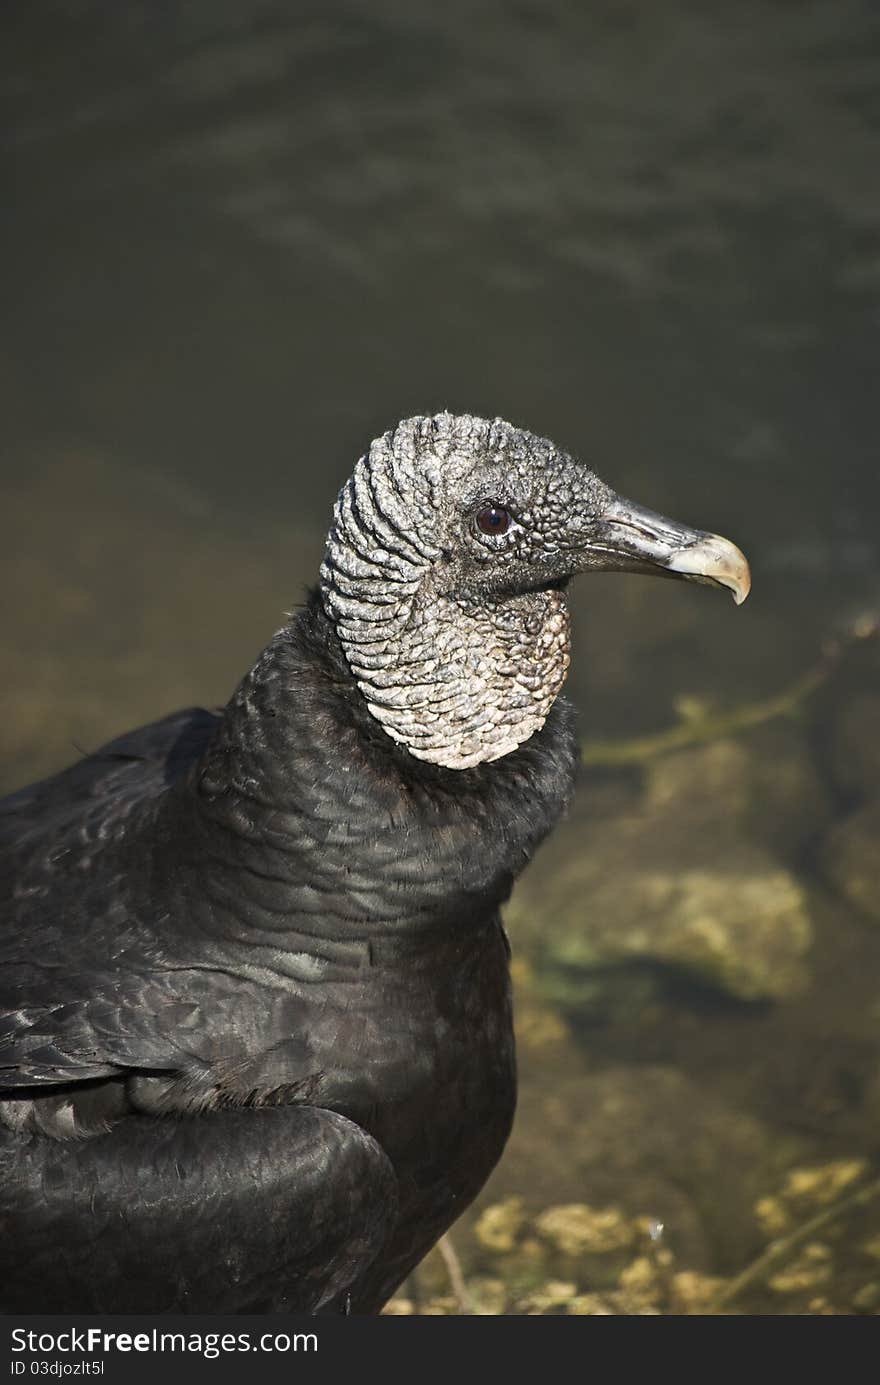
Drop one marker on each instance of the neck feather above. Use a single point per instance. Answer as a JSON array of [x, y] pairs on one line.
[[322, 828]]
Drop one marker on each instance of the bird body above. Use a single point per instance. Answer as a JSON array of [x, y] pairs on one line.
[[256, 1050], [378, 989]]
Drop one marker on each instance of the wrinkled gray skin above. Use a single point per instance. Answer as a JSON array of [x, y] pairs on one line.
[[459, 640]]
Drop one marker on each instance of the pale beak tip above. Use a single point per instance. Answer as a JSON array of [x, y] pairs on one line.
[[715, 559], [739, 583], [739, 594]]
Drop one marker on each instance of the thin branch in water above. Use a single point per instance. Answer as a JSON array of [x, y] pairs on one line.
[[456, 1277], [715, 726], [781, 1250]]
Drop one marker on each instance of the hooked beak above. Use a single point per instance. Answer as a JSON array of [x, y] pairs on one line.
[[629, 538]]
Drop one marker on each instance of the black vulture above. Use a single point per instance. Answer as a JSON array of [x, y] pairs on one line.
[[256, 1051]]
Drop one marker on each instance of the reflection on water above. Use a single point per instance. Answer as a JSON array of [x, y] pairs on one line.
[[243, 241]]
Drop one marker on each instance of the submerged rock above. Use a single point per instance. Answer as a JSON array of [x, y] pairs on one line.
[[812, 1269], [598, 1164], [823, 1184], [675, 879], [577, 1229], [500, 1224]]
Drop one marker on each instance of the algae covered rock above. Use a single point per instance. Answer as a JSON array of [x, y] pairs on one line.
[[597, 1166], [578, 1229], [817, 1253], [500, 1224], [674, 879]]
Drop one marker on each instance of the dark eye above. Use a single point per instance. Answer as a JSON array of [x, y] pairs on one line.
[[493, 519]]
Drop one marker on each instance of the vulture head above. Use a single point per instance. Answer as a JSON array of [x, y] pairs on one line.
[[446, 569]]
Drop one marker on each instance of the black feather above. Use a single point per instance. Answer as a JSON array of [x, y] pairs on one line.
[[221, 935]]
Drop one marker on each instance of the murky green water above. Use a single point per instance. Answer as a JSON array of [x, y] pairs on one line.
[[238, 241]]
